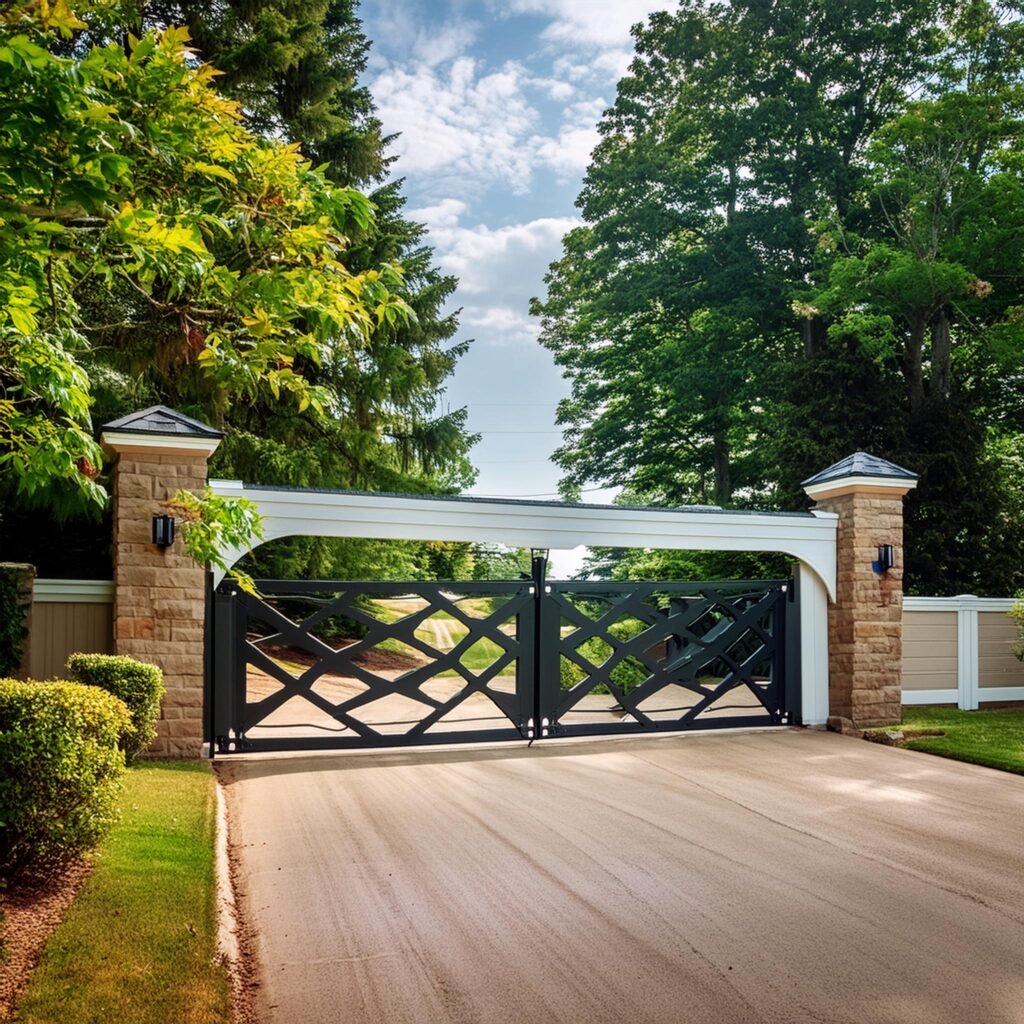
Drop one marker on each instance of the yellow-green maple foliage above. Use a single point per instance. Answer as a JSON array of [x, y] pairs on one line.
[[123, 166]]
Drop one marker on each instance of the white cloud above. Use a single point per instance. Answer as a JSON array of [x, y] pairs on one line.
[[605, 66], [445, 214], [463, 125], [500, 323], [460, 121], [499, 269], [589, 22], [491, 260], [434, 46], [569, 153], [556, 88]]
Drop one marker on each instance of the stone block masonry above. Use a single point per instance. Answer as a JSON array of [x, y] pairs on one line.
[[159, 594], [865, 622]]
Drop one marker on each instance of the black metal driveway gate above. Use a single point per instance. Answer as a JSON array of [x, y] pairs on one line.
[[318, 664]]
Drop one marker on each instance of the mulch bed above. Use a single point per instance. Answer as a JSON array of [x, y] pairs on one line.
[[32, 910]]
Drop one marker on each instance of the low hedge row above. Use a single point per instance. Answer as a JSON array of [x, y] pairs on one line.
[[63, 748], [138, 684], [60, 766]]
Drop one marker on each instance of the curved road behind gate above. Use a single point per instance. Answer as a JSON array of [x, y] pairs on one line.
[[782, 876]]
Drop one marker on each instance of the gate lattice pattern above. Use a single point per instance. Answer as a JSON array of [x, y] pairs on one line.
[[331, 663], [669, 655], [350, 664]]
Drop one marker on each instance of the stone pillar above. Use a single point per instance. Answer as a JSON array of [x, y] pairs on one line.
[[159, 593], [865, 622]]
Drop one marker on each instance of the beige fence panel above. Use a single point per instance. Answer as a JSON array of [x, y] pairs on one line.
[[930, 651], [998, 669], [956, 650], [69, 616]]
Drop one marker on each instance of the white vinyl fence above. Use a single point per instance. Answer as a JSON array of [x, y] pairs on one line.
[[956, 650]]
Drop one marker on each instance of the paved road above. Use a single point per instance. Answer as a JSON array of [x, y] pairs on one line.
[[783, 876]]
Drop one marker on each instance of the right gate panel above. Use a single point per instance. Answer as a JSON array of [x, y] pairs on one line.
[[662, 656]]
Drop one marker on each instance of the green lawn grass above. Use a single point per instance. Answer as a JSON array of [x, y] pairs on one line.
[[138, 946], [992, 738]]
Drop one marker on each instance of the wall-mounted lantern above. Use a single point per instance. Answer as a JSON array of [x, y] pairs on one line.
[[163, 531], [886, 559]]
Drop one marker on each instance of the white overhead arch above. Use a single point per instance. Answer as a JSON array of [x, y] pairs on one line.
[[809, 537]]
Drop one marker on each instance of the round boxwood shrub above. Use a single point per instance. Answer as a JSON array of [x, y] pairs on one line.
[[60, 767], [139, 684]]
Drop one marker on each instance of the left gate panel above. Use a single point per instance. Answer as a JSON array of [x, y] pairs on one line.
[[329, 663]]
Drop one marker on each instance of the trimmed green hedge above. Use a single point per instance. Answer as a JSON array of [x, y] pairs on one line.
[[60, 769], [139, 684]]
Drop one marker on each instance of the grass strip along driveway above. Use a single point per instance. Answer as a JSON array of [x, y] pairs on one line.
[[139, 944], [992, 738]]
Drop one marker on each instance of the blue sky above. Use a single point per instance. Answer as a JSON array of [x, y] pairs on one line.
[[497, 105]]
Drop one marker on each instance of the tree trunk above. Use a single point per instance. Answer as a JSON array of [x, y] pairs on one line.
[[941, 356], [913, 359], [723, 482], [814, 335]]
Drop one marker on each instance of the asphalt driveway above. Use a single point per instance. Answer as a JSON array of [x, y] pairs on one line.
[[782, 876]]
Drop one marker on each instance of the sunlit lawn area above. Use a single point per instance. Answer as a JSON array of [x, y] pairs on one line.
[[138, 946], [993, 738]]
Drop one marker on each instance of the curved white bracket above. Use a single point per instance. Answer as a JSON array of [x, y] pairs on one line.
[[810, 537]]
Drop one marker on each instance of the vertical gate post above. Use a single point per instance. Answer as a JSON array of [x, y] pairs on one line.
[[159, 593], [865, 623], [227, 662], [791, 672]]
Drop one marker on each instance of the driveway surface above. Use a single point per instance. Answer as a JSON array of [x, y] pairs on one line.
[[783, 876]]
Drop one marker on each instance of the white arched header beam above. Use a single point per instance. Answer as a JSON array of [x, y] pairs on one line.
[[806, 536]]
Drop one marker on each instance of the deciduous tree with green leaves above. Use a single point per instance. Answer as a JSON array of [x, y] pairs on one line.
[[123, 170], [293, 71], [671, 304], [803, 237]]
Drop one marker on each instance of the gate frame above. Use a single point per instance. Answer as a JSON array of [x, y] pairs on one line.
[[539, 607], [808, 537]]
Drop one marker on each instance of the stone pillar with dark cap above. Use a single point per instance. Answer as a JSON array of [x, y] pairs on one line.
[[865, 623], [159, 593]]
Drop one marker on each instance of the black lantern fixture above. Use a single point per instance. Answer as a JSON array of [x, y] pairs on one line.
[[886, 559], [163, 531]]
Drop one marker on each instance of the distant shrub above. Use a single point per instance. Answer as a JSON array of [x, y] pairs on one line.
[[139, 684], [1017, 614], [60, 768], [627, 674]]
